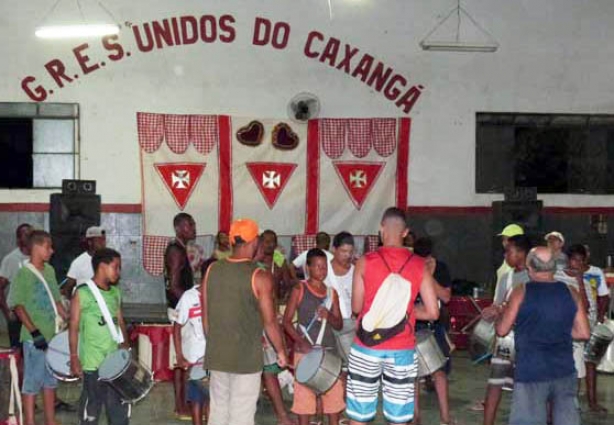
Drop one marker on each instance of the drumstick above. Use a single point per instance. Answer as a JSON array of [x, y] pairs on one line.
[[471, 323], [475, 304], [302, 328], [321, 334]]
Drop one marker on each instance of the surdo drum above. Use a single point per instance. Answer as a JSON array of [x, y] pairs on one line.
[[430, 356], [319, 369], [126, 376]]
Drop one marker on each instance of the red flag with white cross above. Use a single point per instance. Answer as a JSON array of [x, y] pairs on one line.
[[180, 179], [358, 178], [270, 178]]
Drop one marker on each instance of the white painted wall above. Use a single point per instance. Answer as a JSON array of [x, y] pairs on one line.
[[555, 56]]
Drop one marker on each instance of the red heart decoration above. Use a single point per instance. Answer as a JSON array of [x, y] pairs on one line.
[[251, 134], [284, 138]]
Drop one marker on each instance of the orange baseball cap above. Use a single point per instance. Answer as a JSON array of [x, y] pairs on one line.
[[244, 229]]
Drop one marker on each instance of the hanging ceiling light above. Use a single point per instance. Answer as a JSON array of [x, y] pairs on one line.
[[457, 45], [81, 29]]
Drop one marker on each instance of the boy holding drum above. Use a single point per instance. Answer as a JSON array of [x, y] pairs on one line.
[[318, 311], [96, 330], [35, 297]]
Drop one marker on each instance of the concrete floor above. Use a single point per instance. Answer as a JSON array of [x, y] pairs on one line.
[[467, 384]]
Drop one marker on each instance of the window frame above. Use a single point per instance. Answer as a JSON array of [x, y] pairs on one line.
[[47, 111]]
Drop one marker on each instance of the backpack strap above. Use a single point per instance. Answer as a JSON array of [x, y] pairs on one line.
[[388, 267]]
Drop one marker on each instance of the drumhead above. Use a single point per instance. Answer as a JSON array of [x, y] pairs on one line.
[[309, 365], [58, 354], [114, 365]]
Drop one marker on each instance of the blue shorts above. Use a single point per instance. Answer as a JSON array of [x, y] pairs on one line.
[[395, 369], [36, 374], [530, 400], [197, 392]]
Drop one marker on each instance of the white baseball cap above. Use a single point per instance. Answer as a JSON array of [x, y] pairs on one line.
[[557, 235], [95, 232]]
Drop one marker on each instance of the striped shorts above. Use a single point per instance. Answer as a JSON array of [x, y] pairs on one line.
[[396, 370]]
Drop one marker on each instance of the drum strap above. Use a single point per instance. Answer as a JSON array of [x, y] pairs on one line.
[[509, 284], [117, 336], [15, 397], [39, 275]]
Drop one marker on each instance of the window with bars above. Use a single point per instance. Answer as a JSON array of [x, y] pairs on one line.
[[39, 145]]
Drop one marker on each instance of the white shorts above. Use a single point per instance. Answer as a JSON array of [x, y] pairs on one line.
[[578, 359]]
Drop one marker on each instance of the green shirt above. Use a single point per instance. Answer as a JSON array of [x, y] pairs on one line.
[[95, 340], [234, 340], [30, 293]]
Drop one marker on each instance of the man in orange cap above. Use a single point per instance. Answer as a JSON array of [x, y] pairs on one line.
[[238, 304]]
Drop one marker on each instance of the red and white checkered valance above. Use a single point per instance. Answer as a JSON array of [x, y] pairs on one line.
[[358, 135], [179, 131]]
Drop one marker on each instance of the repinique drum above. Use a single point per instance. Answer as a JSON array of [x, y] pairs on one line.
[[126, 376], [430, 356], [597, 345], [319, 369], [505, 347], [345, 338], [482, 340], [58, 358]]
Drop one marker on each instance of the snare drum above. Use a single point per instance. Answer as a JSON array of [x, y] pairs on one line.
[[482, 340], [126, 376], [268, 351], [58, 358], [197, 372], [430, 357], [345, 338], [597, 345], [319, 369]]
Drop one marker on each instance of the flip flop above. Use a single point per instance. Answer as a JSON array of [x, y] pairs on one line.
[[478, 406]]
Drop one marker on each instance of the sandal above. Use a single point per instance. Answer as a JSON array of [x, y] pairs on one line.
[[478, 406]]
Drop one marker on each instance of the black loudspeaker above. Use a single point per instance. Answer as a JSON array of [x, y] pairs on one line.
[[527, 214], [69, 218], [78, 187], [73, 214]]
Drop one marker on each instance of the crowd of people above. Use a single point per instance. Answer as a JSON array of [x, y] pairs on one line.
[[245, 316]]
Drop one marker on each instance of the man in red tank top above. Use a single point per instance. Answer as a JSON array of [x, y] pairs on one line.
[[392, 360]]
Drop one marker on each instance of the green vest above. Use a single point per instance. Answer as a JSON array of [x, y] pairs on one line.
[[95, 341], [234, 340]]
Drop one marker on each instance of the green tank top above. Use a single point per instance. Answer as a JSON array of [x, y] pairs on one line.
[[95, 341], [234, 341]]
